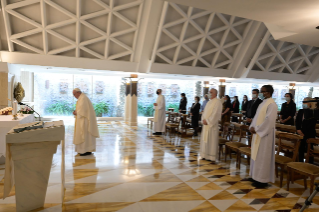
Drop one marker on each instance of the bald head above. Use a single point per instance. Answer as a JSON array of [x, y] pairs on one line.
[[77, 92], [213, 93]]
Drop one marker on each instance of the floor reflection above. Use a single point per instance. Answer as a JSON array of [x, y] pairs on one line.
[[132, 171]]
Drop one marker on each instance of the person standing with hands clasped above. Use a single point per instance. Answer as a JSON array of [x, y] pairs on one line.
[[159, 116], [210, 133], [235, 108], [288, 110], [195, 115], [262, 166], [305, 127], [252, 106], [183, 104], [244, 104], [226, 111]]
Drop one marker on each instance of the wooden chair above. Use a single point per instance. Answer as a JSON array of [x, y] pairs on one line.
[[246, 150], [223, 140], [288, 152], [171, 109], [185, 125], [170, 116], [281, 160], [305, 169], [235, 145], [150, 121], [286, 128], [239, 116], [173, 124]]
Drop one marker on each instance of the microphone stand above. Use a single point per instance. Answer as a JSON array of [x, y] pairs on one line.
[[309, 199], [20, 103]]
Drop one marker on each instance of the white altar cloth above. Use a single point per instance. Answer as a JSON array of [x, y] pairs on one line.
[[6, 124]]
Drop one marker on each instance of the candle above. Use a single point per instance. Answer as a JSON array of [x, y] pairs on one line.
[[15, 107]]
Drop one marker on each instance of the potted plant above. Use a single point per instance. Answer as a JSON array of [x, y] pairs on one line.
[[100, 108], [60, 108]]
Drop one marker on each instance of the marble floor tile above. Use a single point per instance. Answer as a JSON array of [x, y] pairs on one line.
[[117, 176], [133, 171], [171, 206], [127, 192]]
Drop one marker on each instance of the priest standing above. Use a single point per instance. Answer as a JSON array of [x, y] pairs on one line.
[[160, 115], [262, 166], [210, 133], [85, 128]]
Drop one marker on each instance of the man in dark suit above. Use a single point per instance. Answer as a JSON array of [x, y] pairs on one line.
[[252, 106]]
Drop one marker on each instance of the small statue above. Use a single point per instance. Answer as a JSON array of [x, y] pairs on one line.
[[19, 93]]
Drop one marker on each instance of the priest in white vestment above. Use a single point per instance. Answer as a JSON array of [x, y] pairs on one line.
[[210, 132], [262, 166], [160, 114], [85, 129]]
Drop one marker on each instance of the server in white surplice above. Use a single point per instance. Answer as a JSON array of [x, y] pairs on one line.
[[210, 133], [160, 114], [262, 166]]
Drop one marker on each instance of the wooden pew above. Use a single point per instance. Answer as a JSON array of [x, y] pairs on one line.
[[239, 116]]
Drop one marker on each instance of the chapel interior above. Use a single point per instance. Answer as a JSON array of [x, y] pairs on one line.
[[119, 53]]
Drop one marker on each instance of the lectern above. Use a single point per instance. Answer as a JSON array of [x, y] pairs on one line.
[[30, 149]]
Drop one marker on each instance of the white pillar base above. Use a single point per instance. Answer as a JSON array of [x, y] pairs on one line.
[[132, 123]]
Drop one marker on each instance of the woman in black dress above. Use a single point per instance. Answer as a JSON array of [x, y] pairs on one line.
[[244, 103], [195, 115], [288, 111], [235, 108], [226, 112], [183, 104], [306, 127]]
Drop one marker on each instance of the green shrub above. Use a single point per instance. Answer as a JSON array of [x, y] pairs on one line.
[[145, 111], [60, 108], [100, 108], [148, 112], [140, 109]]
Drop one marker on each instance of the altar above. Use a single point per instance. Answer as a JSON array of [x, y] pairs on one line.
[[6, 124]]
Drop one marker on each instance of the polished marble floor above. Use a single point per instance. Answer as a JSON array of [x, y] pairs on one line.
[[133, 171]]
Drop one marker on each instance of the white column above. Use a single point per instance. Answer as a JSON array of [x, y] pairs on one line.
[[127, 102], [221, 92], [133, 109], [293, 92], [205, 90]]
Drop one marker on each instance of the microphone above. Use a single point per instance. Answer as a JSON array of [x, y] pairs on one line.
[[20, 103]]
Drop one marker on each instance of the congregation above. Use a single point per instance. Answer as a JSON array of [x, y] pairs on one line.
[[260, 115]]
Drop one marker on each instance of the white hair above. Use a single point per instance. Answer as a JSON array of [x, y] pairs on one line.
[[78, 90], [215, 91]]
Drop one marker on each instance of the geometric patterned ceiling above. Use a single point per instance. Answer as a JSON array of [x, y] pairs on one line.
[[151, 36], [102, 29], [199, 38], [284, 57]]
